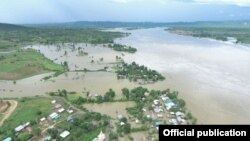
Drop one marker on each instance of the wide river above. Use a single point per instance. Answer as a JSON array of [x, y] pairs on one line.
[[212, 76]]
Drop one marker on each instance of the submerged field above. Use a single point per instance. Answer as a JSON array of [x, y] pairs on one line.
[[24, 63]]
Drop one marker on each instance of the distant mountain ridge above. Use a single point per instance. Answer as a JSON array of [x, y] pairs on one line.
[[110, 24], [6, 26]]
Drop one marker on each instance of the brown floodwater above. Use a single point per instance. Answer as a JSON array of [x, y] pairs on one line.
[[76, 61]]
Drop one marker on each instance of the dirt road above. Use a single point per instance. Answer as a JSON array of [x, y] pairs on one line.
[[6, 115]]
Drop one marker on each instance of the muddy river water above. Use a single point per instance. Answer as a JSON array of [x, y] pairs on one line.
[[212, 76]]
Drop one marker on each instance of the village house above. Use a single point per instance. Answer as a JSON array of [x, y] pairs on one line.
[[122, 123], [53, 101], [8, 139], [173, 121], [119, 116], [42, 119], [54, 116], [100, 137], [65, 134], [156, 102], [22, 127], [57, 106], [61, 110], [169, 104], [70, 111]]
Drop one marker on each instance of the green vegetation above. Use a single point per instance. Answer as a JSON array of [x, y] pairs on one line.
[[13, 37], [24, 136], [135, 72], [123, 48], [28, 110], [24, 63], [217, 30], [74, 98]]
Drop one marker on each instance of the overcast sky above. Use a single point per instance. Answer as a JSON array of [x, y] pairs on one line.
[[51, 11]]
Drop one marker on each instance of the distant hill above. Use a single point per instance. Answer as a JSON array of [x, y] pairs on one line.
[[215, 24], [5, 26], [101, 24], [109, 24]]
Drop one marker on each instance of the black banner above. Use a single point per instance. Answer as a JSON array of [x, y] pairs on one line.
[[204, 132]]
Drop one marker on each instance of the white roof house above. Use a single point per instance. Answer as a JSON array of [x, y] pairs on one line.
[[53, 101], [164, 98], [156, 101], [42, 119], [137, 121], [169, 105], [146, 93], [180, 114], [64, 134], [70, 111], [101, 137], [122, 123], [8, 139], [54, 116], [19, 128], [172, 113], [173, 121], [57, 106], [26, 124], [158, 110], [159, 115], [119, 116], [148, 116], [61, 110]]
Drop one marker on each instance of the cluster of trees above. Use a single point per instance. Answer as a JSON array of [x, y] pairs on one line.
[[136, 72], [10, 38], [126, 128], [63, 93], [135, 94], [124, 48], [108, 97]]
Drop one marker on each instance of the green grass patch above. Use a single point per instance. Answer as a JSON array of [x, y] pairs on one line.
[[90, 136], [72, 97], [24, 63]]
